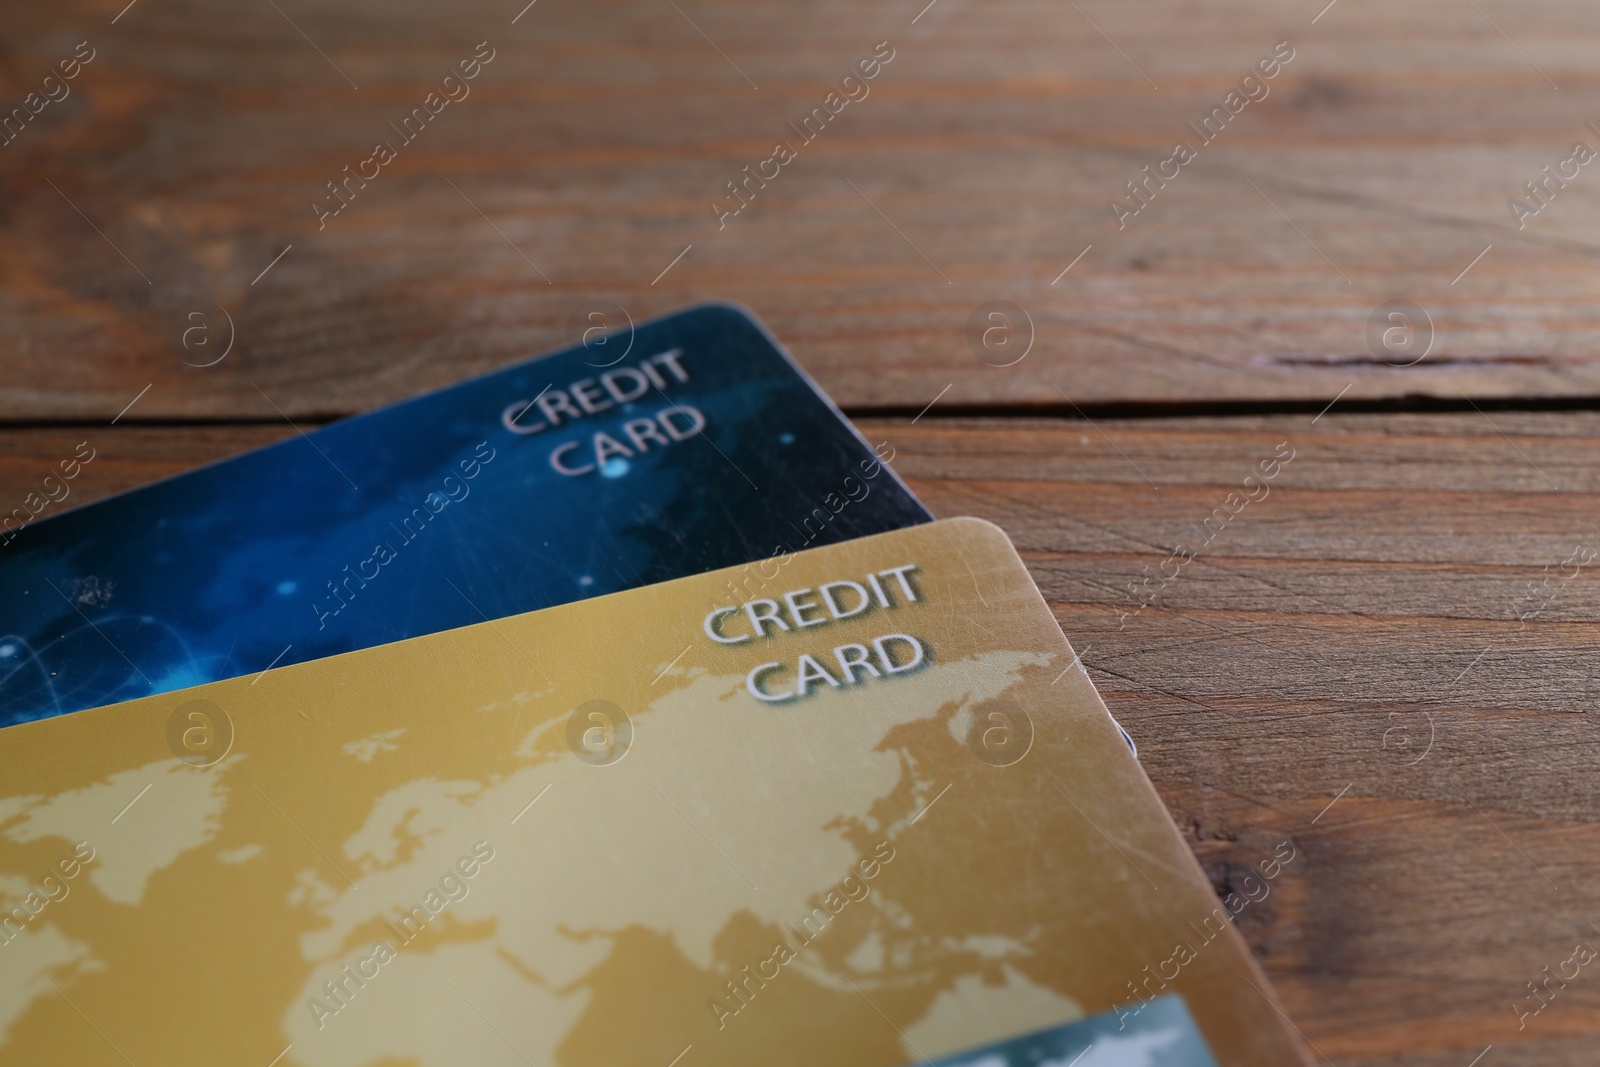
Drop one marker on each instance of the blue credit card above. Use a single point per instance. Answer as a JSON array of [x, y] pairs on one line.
[[687, 444], [1153, 1033]]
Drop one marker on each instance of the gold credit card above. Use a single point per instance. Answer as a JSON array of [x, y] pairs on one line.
[[857, 805]]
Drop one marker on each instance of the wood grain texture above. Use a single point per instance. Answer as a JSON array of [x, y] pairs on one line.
[[1349, 639], [1350, 636], [192, 148]]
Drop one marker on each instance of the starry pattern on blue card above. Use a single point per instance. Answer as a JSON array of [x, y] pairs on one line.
[[689, 443]]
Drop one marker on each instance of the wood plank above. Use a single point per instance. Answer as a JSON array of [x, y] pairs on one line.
[[1351, 637], [145, 206], [1287, 685]]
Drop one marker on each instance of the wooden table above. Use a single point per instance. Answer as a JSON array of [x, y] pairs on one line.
[[1342, 665]]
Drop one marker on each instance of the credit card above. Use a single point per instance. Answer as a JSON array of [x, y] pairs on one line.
[[1161, 1035], [689, 443], [859, 807]]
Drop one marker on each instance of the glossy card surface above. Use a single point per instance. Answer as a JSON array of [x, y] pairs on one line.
[[691, 443], [1160, 1034], [853, 806]]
